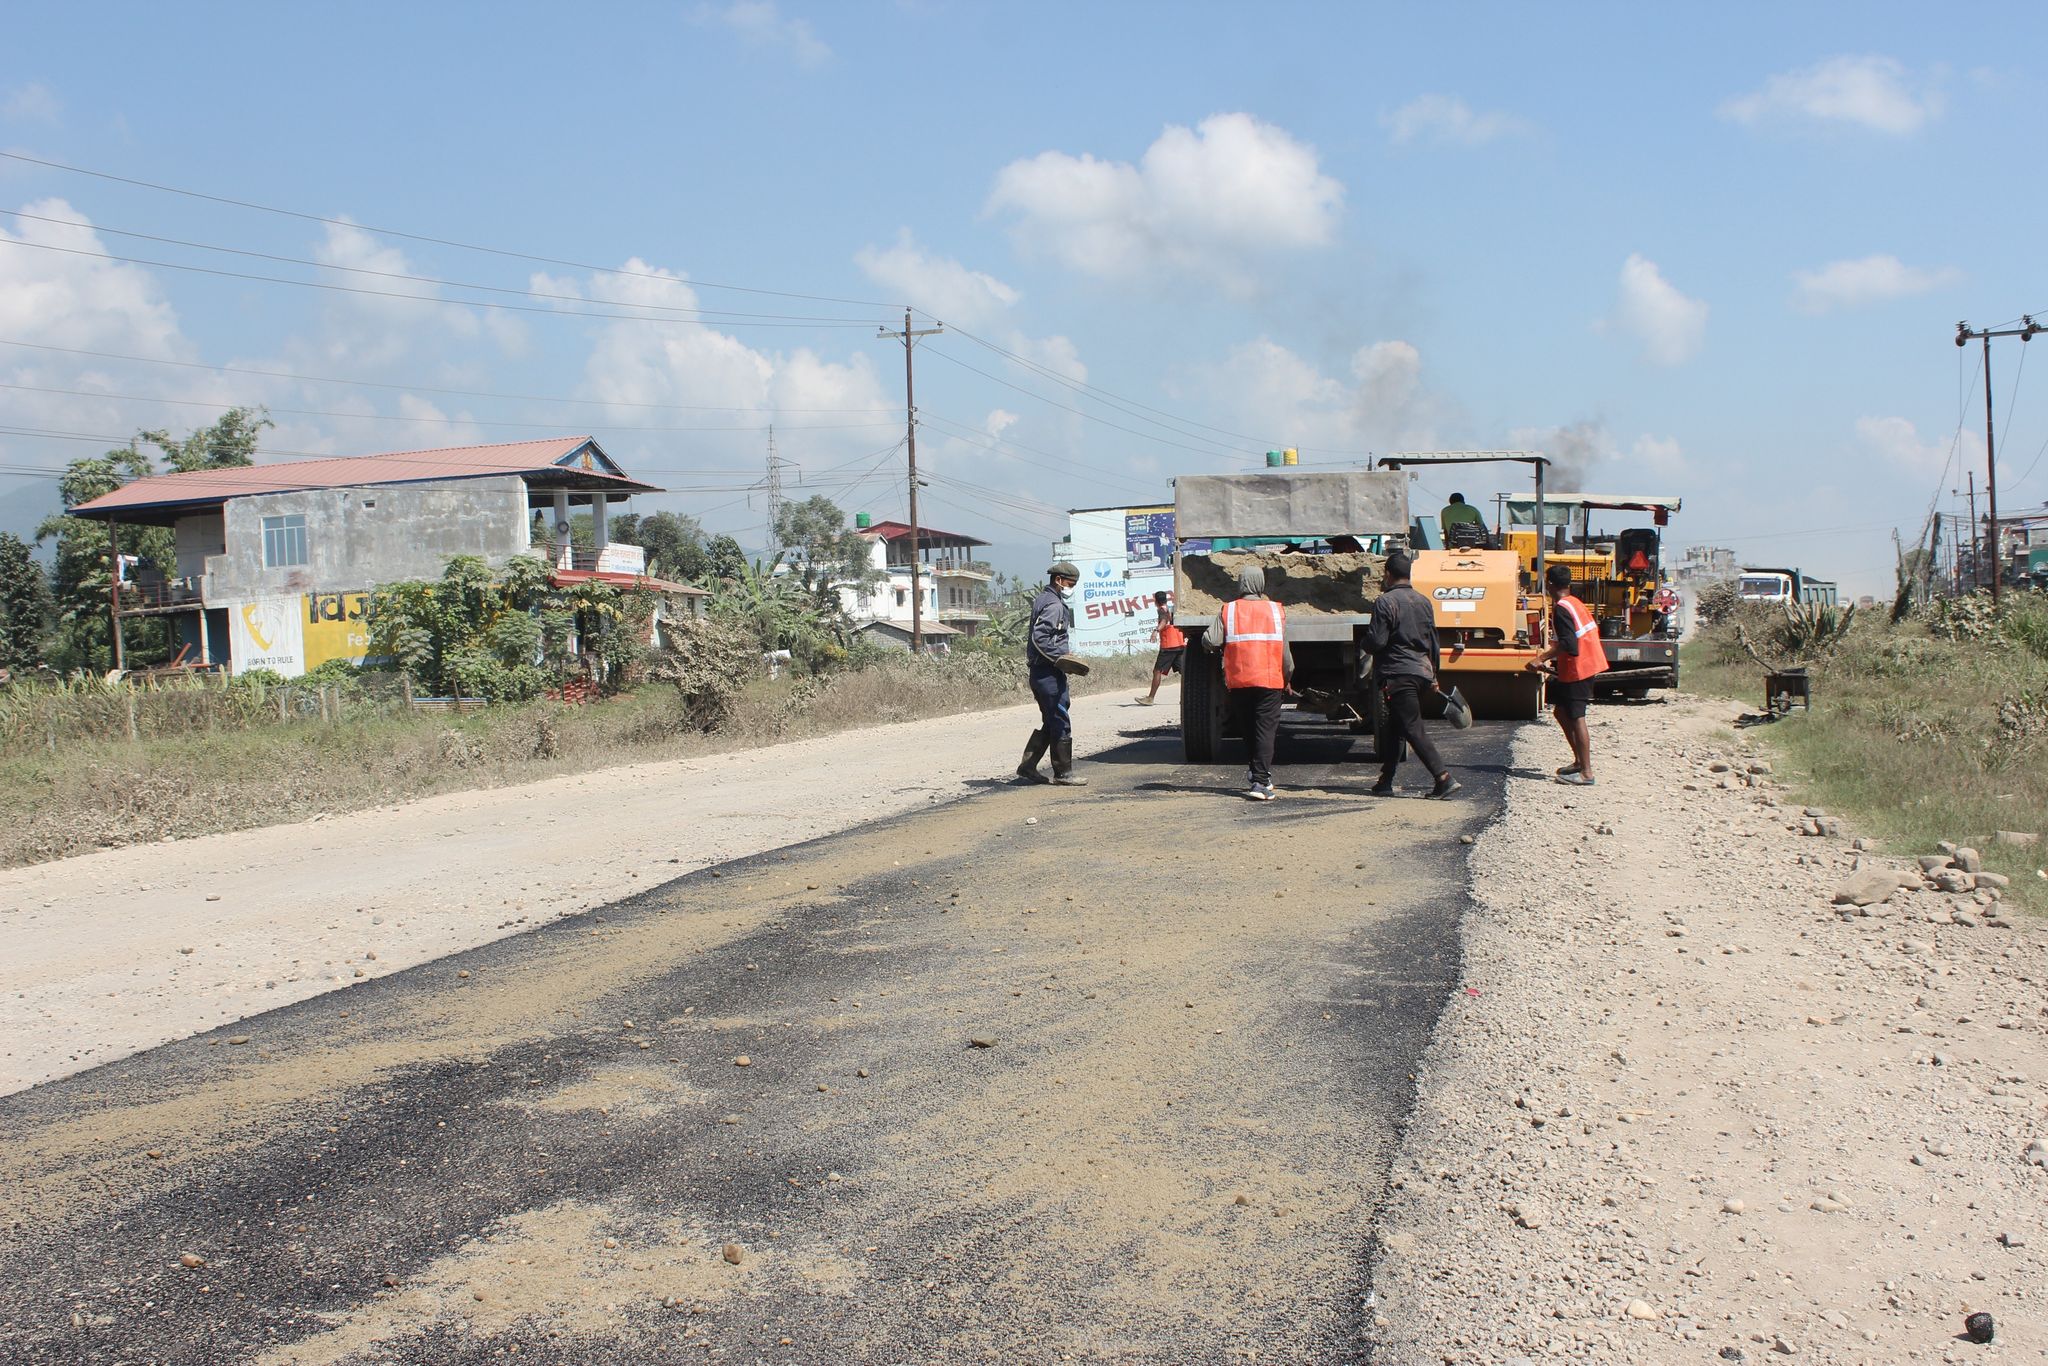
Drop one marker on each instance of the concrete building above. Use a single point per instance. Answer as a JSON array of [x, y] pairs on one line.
[[952, 583], [275, 563]]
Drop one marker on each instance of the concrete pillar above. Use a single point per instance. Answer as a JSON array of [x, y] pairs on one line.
[[558, 529], [205, 650], [599, 537]]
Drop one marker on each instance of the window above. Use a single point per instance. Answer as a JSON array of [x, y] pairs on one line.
[[284, 541]]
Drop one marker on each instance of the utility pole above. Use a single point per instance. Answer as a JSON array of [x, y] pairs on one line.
[[1964, 336], [908, 336], [114, 590], [1976, 538]]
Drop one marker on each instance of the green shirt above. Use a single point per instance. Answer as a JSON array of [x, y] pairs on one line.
[[1455, 514]]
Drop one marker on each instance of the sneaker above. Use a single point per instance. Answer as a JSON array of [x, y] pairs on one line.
[[1145, 701], [1445, 786], [1383, 788], [1260, 792], [1575, 779]]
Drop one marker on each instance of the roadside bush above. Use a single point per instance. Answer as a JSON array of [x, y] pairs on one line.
[[1716, 602], [1970, 617], [709, 665]]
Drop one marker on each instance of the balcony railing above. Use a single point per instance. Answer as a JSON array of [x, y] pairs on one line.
[[979, 570], [160, 595], [616, 558]]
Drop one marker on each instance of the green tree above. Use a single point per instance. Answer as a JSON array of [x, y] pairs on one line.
[[675, 546], [503, 635], [823, 549], [24, 605], [84, 637], [228, 444], [780, 613], [78, 577], [727, 560]]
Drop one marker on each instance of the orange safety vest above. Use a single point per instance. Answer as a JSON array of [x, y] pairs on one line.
[[1254, 640], [1592, 656], [1171, 637]]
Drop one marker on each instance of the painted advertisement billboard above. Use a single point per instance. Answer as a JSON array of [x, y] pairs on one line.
[[1148, 540], [1113, 611], [290, 635]]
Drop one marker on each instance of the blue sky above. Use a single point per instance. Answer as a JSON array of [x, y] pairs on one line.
[[1717, 251]]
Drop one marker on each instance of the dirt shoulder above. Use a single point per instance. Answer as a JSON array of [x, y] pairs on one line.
[[1686, 1106], [109, 953]]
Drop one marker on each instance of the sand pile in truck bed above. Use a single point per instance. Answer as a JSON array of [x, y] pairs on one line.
[[1313, 584]]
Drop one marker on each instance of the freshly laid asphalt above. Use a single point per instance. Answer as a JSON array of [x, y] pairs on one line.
[[1110, 1072]]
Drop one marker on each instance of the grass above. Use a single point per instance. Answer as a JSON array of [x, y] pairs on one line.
[[1915, 736], [72, 795]]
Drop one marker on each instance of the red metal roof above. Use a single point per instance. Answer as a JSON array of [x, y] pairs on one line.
[[900, 531], [573, 461], [562, 578]]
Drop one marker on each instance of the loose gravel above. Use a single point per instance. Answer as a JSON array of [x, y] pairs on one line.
[[1689, 1108]]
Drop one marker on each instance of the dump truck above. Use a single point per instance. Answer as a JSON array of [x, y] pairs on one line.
[[1618, 575], [1322, 540]]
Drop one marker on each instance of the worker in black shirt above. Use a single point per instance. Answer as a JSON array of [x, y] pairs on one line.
[[1402, 643]]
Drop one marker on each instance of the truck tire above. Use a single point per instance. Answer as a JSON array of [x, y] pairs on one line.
[[1202, 699], [1528, 703]]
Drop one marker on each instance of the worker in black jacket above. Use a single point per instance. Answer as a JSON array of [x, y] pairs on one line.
[[1402, 643], [1048, 647]]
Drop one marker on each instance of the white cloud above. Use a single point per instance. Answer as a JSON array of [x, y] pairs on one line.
[[1867, 280], [1378, 404], [939, 285], [690, 363], [1209, 200], [760, 23], [1448, 119], [32, 103], [1899, 443], [80, 301], [1669, 325], [1867, 92], [1658, 456]]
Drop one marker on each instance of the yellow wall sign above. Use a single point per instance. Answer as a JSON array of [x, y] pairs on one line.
[[335, 627]]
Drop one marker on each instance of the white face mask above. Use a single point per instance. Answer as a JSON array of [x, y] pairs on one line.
[[1066, 594]]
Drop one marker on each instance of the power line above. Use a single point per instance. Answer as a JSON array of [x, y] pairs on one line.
[[1101, 395], [396, 294], [426, 389], [1092, 417], [434, 241], [961, 431], [695, 314], [400, 417]]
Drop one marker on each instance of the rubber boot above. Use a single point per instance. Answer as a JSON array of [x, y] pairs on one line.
[[1063, 763], [1034, 750]]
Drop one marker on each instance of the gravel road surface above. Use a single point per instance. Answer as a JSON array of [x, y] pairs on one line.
[[219, 927], [1043, 1074]]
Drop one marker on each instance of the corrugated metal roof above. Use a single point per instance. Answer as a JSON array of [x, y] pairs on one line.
[[556, 458], [900, 531]]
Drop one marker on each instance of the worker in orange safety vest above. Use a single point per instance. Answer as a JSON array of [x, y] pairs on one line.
[[1251, 630], [1573, 657]]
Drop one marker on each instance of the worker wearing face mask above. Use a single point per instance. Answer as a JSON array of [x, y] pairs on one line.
[[1048, 655]]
